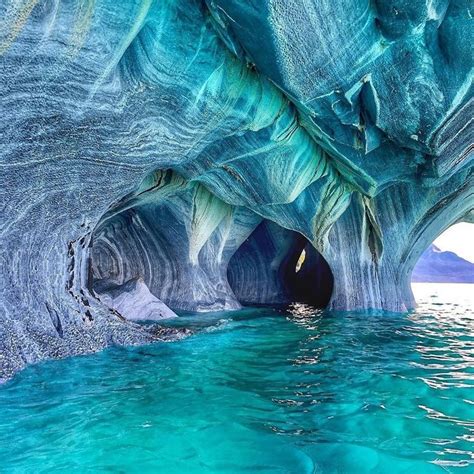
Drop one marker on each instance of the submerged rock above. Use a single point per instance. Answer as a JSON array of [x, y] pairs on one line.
[[150, 140]]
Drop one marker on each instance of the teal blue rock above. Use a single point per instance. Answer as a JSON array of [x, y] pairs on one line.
[[152, 141]]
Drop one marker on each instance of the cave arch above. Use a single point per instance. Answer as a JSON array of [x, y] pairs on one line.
[[437, 265], [277, 266], [194, 252], [176, 238], [454, 208], [409, 216]]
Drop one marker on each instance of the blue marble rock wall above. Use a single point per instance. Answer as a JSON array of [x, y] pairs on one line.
[[178, 239], [402, 222], [148, 139]]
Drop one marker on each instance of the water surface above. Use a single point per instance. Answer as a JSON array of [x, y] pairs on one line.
[[260, 390]]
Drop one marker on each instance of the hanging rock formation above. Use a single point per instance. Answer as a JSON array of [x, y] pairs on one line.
[[152, 141]]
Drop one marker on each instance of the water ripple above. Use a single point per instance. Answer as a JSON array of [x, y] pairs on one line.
[[273, 391]]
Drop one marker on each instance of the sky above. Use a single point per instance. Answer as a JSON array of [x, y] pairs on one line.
[[459, 239]]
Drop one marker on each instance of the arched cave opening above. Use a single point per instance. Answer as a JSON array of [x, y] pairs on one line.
[[449, 259], [174, 246], [167, 243], [445, 266], [277, 266]]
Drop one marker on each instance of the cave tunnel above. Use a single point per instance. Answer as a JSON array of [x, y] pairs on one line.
[[175, 242], [445, 260], [276, 266]]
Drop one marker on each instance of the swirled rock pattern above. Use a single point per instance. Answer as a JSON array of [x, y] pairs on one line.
[[157, 140]]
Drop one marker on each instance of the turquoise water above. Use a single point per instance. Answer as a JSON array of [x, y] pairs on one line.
[[262, 391]]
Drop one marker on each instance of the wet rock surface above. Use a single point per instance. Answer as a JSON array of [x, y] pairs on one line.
[[133, 300]]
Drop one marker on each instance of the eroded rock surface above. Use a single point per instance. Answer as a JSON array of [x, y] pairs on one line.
[[133, 300], [150, 139]]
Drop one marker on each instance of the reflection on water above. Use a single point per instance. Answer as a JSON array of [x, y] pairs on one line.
[[297, 391]]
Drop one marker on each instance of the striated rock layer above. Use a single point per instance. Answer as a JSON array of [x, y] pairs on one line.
[[199, 147]]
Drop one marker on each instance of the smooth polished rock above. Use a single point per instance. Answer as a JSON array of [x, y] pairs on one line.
[[382, 86], [133, 300]]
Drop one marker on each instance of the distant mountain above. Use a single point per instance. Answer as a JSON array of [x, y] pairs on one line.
[[436, 266]]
